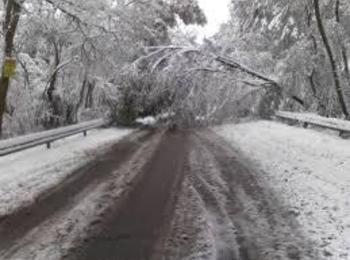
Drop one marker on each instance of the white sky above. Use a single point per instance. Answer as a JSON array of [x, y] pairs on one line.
[[217, 12]]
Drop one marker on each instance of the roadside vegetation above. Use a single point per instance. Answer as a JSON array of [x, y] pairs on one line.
[[68, 61]]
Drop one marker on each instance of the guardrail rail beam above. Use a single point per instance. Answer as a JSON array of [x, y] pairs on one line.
[[21, 143]]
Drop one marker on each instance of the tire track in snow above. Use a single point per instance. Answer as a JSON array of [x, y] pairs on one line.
[[66, 195], [239, 217], [267, 229], [190, 197], [213, 192], [135, 229]]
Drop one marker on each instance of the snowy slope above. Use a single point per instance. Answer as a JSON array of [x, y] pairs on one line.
[[24, 175], [310, 172]]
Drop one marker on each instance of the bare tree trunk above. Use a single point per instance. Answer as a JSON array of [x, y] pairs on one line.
[[89, 100], [72, 111], [342, 46], [82, 97], [336, 77], [54, 100], [12, 15], [311, 78]]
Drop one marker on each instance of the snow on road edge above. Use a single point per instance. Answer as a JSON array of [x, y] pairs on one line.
[[24, 175], [308, 170]]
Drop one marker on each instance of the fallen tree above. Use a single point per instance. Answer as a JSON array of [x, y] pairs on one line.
[[158, 55]]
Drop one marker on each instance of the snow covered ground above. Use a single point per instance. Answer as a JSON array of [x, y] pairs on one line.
[[25, 175], [309, 170], [332, 123]]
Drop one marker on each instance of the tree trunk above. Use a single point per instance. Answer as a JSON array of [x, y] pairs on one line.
[[89, 100], [336, 77], [81, 97], [321, 104], [54, 101], [321, 107], [12, 15], [342, 46]]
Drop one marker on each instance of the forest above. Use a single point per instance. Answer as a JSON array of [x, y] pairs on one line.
[[65, 61]]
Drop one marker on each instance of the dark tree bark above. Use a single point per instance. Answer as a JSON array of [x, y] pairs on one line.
[[12, 15], [336, 77], [235, 65], [344, 53], [312, 83], [298, 100], [82, 97], [312, 76], [73, 108], [53, 98], [89, 100], [52, 86]]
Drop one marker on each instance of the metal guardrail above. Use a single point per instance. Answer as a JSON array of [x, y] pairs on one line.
[[330, 123], [21, 143]]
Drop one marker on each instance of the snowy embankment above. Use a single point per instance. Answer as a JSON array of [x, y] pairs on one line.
[[309, 171], [25, 175]]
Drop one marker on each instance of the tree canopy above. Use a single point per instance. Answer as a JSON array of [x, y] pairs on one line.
[[82, 59]]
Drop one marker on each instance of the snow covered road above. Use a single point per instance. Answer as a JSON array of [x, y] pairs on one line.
[[25, 175], [310, 172], [252, 191], [226, 213], [63, 216]]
